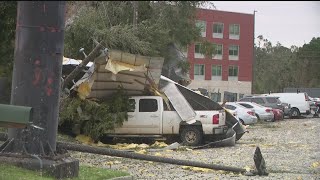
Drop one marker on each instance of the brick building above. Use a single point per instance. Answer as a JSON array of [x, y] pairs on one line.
[[228, 74]]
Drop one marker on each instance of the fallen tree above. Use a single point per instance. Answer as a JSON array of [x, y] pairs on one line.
[[94, 118]]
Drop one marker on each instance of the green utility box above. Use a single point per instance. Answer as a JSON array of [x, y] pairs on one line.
[[14, 116]]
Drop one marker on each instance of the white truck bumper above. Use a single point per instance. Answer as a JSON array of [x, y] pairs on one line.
[[208, 129]]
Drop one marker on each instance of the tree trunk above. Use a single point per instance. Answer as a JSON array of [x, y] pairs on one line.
[[93, 54]]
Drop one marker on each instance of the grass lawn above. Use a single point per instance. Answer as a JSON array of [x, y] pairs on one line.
[[85, 173]]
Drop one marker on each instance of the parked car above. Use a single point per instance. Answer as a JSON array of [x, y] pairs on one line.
[[314, 106], [311, 101], [314, 99], [278, 114], [245, 115], [270, 101], [287, 108], [299, 102], [263, 113]]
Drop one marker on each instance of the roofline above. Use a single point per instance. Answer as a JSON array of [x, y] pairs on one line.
[[224, 11]]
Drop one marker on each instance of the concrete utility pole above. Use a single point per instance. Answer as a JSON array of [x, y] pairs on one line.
[[36, 83], [135, 13], [253, 52]]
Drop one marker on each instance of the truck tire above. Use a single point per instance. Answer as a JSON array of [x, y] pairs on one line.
[[105, 139], [294, 113], [191, 136]]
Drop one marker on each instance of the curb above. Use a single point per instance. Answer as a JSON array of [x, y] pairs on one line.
[[123, 178]]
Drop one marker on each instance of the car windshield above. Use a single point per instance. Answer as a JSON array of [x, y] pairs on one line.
[[257, 105], [245, 100], [246, 105], [273, 100], [240, 106], [230, 107], [258, 100]]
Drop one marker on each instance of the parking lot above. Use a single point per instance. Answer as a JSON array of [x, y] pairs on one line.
[[289, 147]]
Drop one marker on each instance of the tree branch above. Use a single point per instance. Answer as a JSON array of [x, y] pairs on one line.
[[93, 54]]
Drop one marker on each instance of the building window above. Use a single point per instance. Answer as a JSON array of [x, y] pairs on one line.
[[216, 71], [229, 96], [198, 50], [234, 31], [199, 71], [217, 30], [233, 52], [233, 70], [233, 73], [218, 48], [216, 97], [202, 26]]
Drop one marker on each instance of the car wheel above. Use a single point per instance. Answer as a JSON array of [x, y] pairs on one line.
[[294, 113], [191, 136]]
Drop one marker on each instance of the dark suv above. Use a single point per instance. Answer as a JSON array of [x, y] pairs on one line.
[[272, 102]]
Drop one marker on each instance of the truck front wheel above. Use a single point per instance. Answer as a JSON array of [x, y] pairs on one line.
[[191, 136]]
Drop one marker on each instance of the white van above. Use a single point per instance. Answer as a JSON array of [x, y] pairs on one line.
[[299, 102]]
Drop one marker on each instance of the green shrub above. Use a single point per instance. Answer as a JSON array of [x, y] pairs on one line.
[[95, 118]]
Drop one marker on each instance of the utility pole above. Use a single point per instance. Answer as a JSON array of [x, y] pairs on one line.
[[253, 52], [135, 13], [36, 83]]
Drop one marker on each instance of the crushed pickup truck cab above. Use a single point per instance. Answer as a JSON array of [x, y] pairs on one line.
[[152, 118], [174, 110]]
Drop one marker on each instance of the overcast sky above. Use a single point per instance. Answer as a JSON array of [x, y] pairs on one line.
[[289, 22]]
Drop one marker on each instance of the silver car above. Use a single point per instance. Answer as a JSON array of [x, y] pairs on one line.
[[245, 115], [263, 113], [269, 101]]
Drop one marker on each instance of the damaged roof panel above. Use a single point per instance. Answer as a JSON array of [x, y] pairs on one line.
[[128, 70]]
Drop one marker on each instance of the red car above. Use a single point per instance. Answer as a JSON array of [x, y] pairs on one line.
[[278, 114]]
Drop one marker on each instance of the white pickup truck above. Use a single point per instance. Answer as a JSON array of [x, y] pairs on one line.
[[151, 118]]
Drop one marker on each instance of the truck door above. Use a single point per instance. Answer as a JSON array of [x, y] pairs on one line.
[[149, 116], [128, 127], [145, 119]]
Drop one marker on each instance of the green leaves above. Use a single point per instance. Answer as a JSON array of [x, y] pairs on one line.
[[277, 67], [159, 24], [95, 118], [8, 13]]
